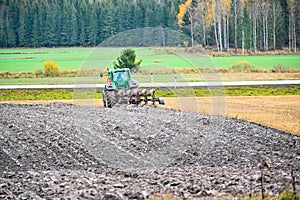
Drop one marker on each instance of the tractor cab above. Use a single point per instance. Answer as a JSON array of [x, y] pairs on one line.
[[120, 79]]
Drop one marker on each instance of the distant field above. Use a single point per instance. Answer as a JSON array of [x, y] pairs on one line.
[[263, 62], [18, 60]]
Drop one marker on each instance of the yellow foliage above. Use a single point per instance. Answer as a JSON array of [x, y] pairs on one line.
[[51, 69], [210, 12], [182, 10], [291, 4], [138, 63], [188, 3], [226, 6], [185, 43]]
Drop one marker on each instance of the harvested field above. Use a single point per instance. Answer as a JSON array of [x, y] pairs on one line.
[[127, 152], [280, 112], [254, 76]]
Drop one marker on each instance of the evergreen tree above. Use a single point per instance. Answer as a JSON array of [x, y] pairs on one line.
[[73, 26], [108, 28], [35, 32], [22, 40], [126, 59], [138, 17], [148, 18], [50, 28], [11, 21], [92, 37], [158, 16], [64, 23]]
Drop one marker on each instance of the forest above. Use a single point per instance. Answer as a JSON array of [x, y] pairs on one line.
[[248, 25]]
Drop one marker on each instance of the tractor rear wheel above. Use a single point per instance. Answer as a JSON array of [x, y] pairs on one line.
[[111, 99]]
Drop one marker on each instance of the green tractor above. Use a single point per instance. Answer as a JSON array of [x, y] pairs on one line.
[[121, 88]]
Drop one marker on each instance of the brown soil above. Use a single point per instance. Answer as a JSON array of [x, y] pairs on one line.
[[280, 112]]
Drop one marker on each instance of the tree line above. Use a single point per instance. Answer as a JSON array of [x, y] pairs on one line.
[[50, 23], [249, 25]]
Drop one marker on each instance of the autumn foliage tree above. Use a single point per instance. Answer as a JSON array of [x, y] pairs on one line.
[[186, 8], [226, 8], [182, 11], [248, 25]]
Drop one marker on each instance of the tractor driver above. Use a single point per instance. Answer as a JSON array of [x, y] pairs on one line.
[[119, 77]]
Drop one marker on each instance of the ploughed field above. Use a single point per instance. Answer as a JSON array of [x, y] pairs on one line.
[[128, 152]]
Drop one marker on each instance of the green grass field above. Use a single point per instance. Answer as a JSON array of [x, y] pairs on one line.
[[28, 60], [263, 62]]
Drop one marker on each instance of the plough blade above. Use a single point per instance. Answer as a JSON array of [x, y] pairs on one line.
[[139, 97]]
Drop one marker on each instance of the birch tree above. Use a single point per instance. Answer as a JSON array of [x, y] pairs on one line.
[[226, 6], [254, 17], [211, 18], [235, 4], [292, 26], [202, 25], [219, 24], [242, 7], [265, 6], [276, 13]]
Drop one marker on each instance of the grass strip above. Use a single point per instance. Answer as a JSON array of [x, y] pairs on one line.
[[50, 94]]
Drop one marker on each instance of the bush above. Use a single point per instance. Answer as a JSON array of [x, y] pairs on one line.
[[39, 73], [24, 75], [278, 68], [69, 73], [243, 66], [288, 195], [51, 69]]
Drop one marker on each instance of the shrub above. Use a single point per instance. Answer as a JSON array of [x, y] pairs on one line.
[[278, 68], [24, 75], [69, 73], [243, 66], [51, 69], [39, 73], [185, 43], [288, 195]]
